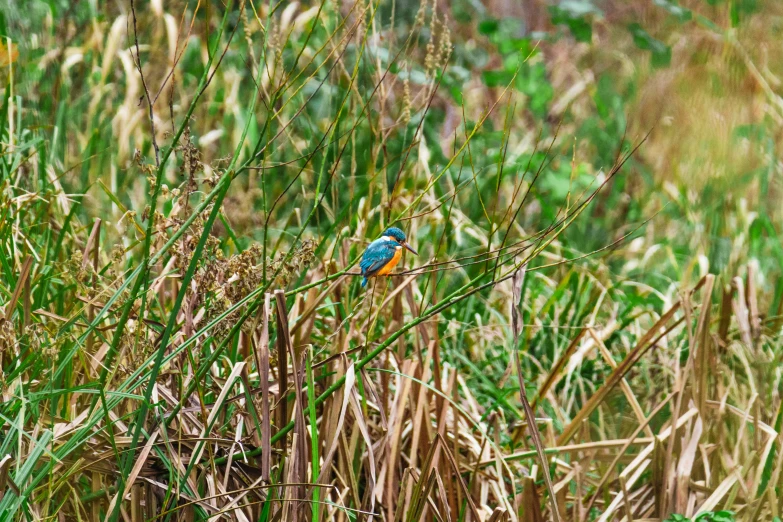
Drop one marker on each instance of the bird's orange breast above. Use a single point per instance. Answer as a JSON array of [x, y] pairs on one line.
[[392, 262]]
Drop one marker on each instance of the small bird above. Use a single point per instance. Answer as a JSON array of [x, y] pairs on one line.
[[384, 253]]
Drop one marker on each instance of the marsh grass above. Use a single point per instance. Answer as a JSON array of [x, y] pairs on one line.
[[186, 191]]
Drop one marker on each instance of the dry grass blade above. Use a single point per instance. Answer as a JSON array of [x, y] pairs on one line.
[[299, 459], [5, 480], [529, 413], [282, 344], [537, 442], [262, 354], [701, 365], [499, 515], [717, 495], [24, 273], [685, 468], [360, 422], [455, 469], [312, 305], [531, 503], [628, 443], [142, 459], [216, 410], [92, 244], [371, 388], [558, 367], [350, 378], [634, 470], [570, 448], [624, 367], [637, 409]]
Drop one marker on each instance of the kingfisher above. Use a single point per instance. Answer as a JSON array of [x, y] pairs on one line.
[[384, 253]]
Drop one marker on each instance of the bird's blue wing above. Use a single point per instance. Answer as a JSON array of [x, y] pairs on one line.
[[376, 256]]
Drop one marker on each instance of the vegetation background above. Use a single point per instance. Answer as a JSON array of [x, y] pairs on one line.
[[591, 330]]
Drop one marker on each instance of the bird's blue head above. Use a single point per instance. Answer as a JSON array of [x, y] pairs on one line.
[[398, 235]]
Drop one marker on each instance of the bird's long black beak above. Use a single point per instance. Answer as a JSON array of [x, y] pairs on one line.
[[406, 245]]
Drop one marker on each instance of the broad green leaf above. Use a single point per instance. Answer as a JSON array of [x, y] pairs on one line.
[[661, 53]]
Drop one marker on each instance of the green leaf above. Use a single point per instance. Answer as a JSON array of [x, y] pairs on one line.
[[580, 28], [488, 26], [497, 78], [511, 45], [766, 474], [661, 53], [682, 13], [741, 9], [723, 516], [550, 411], [750, 131], [456, 94], [532, 80]]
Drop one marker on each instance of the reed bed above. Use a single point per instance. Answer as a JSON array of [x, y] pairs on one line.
[[187, 188]]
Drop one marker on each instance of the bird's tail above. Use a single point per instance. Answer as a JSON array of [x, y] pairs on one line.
[[364, 282]]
